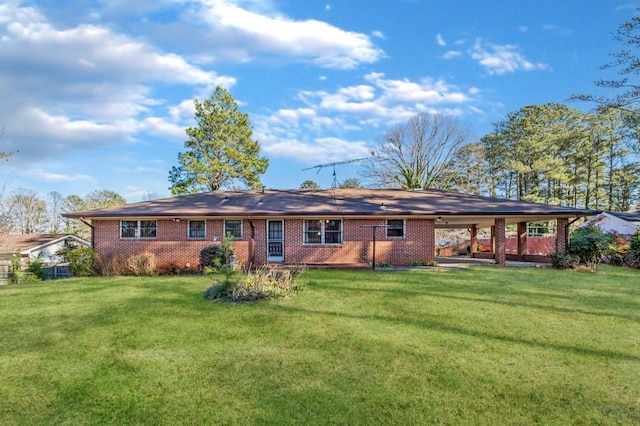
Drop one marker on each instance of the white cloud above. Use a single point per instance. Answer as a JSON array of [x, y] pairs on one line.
[[378, 34], [451, 54], [182, 112], [40, 174], [320, 129], [502, 59], [160, 127], [427, 91], [321, 150], [83, 87], [440, 40]]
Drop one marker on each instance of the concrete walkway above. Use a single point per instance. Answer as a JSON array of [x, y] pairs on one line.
[[466, 261]]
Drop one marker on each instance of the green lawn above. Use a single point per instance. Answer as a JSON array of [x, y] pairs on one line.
[[478, 346]]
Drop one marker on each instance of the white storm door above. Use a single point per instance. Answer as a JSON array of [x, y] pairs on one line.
[[275, 240]]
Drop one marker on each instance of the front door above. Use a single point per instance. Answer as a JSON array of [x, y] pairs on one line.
[[275, 240]]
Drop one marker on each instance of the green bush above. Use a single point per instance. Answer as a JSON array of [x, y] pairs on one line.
[[564, 260], [82, 260], [217, 255], [36, 268], [589, 244], [634, 246]]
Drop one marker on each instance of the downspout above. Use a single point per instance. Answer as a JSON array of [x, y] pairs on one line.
[[93, 230], [252, 242]]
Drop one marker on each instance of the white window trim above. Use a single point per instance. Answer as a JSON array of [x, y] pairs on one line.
[[404, 230], [224, 228], [322, 233], [138, 229], [189, 229]]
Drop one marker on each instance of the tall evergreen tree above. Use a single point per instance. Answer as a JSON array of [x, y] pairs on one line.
[[220, 149]]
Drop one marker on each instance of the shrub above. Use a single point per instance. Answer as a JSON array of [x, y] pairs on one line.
[[109, 266], [170, 268], [82, 260], [589, 244], [216, 255], [634, 246], [18, 275], [36, 268], [266, 282], [564, 260], [142, 264], [617, 250]]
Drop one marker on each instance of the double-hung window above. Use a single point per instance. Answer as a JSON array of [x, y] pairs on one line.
[[395, 228], [233, 228], [138, 229], [319, 231], [197, 229]]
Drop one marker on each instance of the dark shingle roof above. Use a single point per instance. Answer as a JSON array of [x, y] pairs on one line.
[[343, 202], [633, 217]]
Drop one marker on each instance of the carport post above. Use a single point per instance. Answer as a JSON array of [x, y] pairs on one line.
[[373, 232]]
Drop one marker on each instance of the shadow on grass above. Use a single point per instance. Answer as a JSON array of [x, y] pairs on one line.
[[442, 327], [555, 309]]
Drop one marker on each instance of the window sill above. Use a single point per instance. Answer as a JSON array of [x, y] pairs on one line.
[[138, 239]]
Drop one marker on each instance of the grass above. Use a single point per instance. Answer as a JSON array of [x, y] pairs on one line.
[[478, 346]]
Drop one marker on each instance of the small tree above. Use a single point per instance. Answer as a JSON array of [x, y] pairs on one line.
[[309, 184], [220, 149], [351, 183], [589, 244]]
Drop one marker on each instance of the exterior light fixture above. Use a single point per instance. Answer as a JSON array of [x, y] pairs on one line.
[[439, 219], [176, 219]]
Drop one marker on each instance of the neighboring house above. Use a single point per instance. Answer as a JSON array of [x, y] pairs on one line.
[[312, 226], [34, 246], [624, 224]]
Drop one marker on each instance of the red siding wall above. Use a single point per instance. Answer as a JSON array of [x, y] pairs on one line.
[[172, 247]]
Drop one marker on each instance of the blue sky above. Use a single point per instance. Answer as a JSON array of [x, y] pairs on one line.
[[97, 94]]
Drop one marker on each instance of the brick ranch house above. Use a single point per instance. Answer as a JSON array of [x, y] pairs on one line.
[[313, 226]]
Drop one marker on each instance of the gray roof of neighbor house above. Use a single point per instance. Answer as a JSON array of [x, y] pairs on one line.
[[16, 243], [633, 217], [453, 208]]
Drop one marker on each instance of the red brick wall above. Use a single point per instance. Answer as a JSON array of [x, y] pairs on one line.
[[173, 247], [542, 245]]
